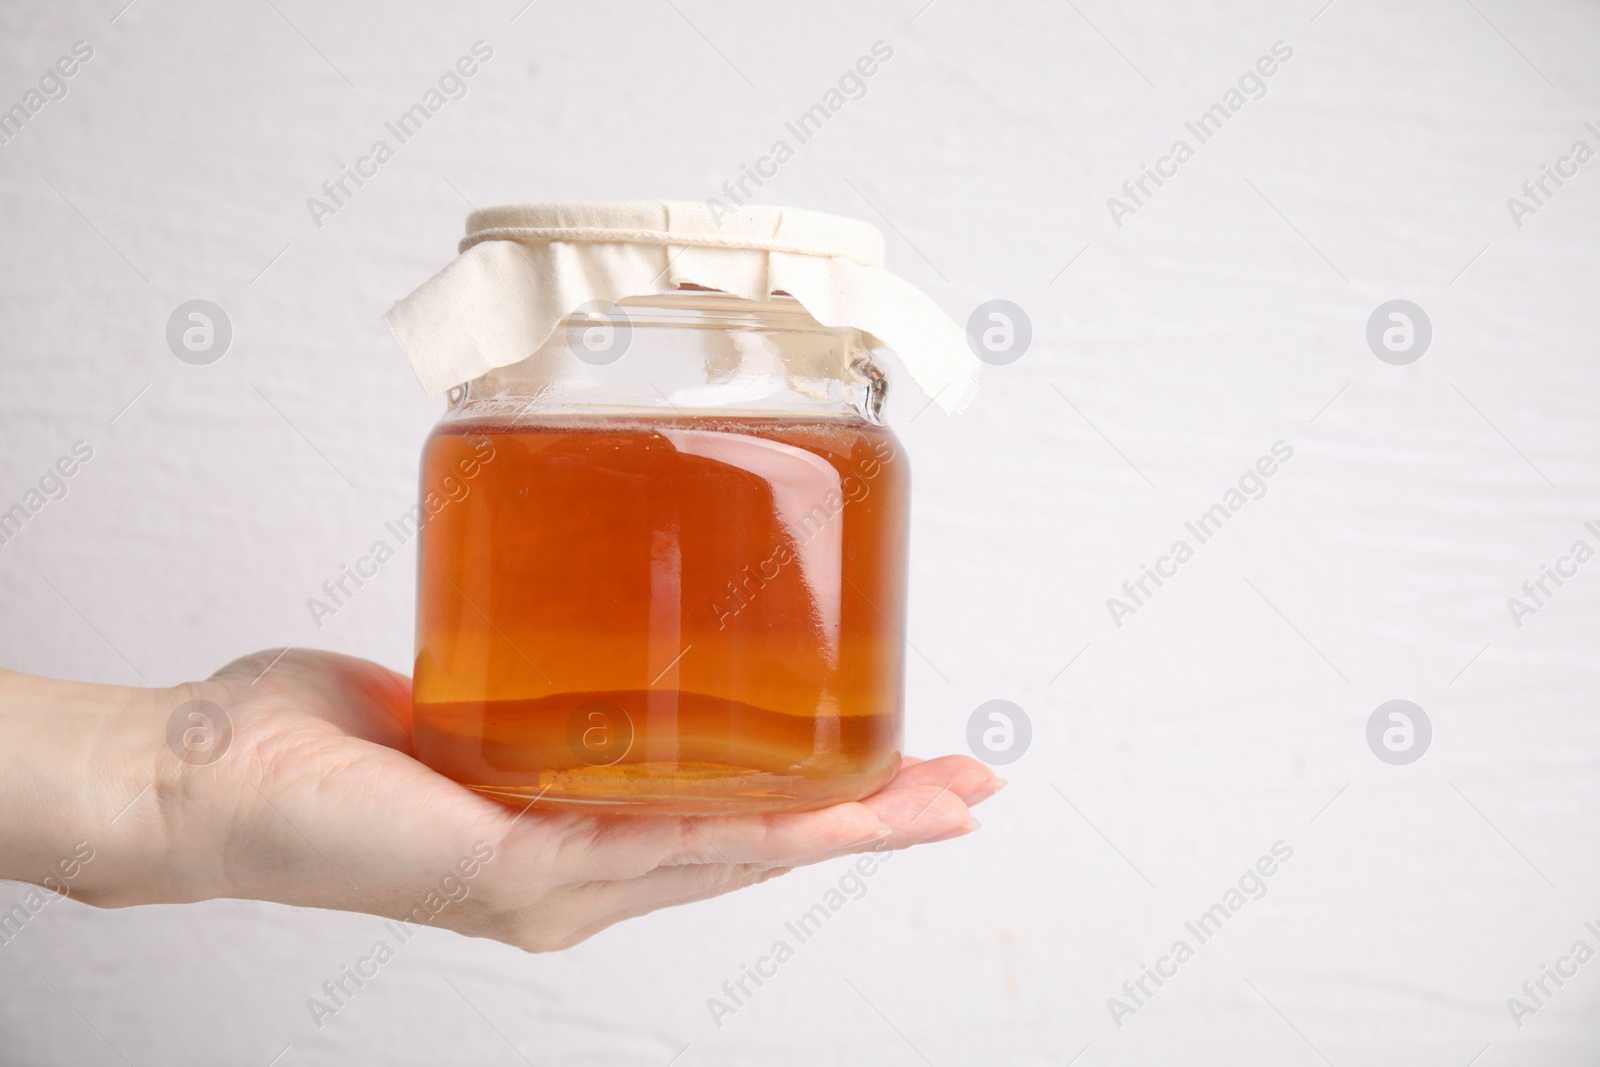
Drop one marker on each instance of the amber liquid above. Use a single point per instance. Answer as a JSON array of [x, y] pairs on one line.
[[685, 615]]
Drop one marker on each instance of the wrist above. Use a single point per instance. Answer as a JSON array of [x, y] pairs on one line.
[[89, 789]]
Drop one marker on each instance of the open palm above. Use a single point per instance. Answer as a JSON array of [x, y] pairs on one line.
[[317, 802]]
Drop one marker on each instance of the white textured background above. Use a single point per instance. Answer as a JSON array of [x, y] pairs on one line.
[[1226, 314]]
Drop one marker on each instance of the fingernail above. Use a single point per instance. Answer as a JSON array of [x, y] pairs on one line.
[[961, 831], [998, 784], [879, 834]]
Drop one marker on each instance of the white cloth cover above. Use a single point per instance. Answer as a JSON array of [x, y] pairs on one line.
[[524, 267]]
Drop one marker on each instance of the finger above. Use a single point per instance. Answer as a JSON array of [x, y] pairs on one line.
[[618, 847], [668, 887], [917, 808], [796, 838], [926, 801], [921, 812], [968, 779], [578, 912]]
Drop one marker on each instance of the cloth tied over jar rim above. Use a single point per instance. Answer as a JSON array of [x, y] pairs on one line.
[[525, 267]]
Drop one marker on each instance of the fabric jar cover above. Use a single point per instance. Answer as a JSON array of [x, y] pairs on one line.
[[525, 267]]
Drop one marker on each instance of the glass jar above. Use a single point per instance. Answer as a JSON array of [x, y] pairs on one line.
[[667, 567]]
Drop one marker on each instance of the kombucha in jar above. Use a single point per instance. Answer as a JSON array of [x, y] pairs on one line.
[[670, 583]]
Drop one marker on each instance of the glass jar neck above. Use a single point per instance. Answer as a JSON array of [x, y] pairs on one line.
[[688, 353]]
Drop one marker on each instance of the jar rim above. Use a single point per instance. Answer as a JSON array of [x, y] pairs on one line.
[[702, 308]]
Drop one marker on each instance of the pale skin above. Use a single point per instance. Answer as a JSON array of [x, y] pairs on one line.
[[316, 802]]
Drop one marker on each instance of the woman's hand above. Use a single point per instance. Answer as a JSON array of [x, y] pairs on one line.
[[303, 792]]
